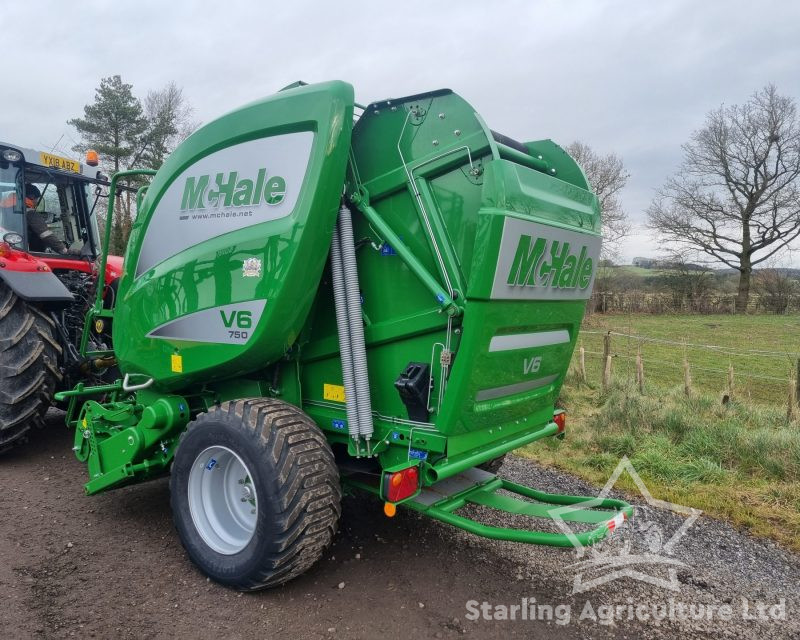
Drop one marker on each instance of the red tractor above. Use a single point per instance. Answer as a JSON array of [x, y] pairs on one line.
[[49, 244]]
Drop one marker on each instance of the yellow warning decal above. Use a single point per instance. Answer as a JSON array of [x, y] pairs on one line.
[[177, 363], [333, 392]]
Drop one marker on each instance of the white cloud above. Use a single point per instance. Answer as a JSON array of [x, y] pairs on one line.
[[630, 77]]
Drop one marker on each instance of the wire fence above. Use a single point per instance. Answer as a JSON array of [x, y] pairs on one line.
[[754, 375], [659, 302]]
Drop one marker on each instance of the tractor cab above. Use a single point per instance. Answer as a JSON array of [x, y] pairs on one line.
[[47, 204]]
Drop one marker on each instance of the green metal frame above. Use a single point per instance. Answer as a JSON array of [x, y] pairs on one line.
[[550, 506]]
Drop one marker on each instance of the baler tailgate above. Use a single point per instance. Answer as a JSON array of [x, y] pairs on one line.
[[476, 487]]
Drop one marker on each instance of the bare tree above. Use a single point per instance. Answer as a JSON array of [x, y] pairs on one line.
[[687, 281], [736, 196], [170, 121], [776, 286], [608, 176]]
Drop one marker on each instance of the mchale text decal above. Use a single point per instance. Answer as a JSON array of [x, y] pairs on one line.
[[229, 190], [541, 262]]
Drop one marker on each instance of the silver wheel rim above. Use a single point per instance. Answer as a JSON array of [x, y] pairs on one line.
[[222, 500]]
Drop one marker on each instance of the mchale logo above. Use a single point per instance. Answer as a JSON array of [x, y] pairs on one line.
[[231, 191], [563, 269]]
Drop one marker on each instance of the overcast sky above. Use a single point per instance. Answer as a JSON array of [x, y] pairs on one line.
[[635, 78]]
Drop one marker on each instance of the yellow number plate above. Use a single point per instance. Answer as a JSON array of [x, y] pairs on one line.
[[57, 162], [333, 392]]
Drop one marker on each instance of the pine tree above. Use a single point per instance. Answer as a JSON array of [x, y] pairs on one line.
[[113, 125]]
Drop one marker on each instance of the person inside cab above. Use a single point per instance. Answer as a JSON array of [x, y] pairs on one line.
[[40, 237]]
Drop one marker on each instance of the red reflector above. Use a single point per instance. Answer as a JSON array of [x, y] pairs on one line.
[[561, 420], [616, 521], [401, 484]]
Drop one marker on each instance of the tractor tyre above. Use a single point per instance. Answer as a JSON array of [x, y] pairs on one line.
[[493, 465], [29, 367], [255, 493]]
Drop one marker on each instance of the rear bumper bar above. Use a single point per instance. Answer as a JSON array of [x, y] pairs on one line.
[[454, 465], [474, 486]]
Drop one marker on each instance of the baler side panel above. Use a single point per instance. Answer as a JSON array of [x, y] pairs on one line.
[[225, 258]]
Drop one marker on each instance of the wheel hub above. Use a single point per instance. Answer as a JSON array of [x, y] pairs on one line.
[[222, 500]]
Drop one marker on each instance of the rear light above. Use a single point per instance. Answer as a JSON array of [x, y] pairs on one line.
[[400, 485], [560, 418], [5, 249]]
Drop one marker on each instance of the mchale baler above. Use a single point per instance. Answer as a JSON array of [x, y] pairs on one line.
[[313, 301]]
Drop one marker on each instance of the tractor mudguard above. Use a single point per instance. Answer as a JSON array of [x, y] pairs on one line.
[[36, 286]]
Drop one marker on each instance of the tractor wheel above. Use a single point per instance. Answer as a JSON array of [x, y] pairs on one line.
[[255, 493], [29, 373], [493, 465]]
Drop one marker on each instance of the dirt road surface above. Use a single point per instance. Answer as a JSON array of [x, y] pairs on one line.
[[111, 566]]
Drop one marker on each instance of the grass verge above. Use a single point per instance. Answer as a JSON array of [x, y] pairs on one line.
[[737, 462]]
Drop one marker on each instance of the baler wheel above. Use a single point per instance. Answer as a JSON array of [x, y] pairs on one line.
[[255, 492], [29, 373]]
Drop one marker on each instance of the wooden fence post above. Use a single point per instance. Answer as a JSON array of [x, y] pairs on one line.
[[606, 346], [791, 408], [730, 382], [687, 377], [797, 382], [607, 374], [582, 364], [639, 369]]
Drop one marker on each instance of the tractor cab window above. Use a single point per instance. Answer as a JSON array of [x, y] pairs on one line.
[[12, 219], [59, 206]]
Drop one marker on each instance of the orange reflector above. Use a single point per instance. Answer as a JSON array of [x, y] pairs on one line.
[[560, 419], [92, 159], [389, 509]]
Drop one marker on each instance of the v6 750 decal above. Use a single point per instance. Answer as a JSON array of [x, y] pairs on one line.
[[226, 324]]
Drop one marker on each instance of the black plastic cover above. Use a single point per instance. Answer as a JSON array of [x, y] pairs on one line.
[[413, 386]]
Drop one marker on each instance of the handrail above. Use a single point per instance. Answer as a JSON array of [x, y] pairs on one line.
[[445, 301], [101, 274], [509, 153]]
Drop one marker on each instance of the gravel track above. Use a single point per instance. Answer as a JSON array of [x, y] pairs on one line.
[[112, 566]]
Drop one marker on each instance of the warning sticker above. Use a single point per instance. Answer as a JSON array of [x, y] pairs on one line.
[[333, 392], [177, 363]]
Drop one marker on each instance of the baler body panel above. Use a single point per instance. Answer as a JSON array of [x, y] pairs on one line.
[[226, 253], [431, 156]]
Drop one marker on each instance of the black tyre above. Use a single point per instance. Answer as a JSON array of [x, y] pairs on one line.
[[29, 371], [493, 465], [255, 493]]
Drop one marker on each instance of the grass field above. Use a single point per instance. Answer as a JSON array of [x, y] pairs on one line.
[[759, 378], [739, 461]]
